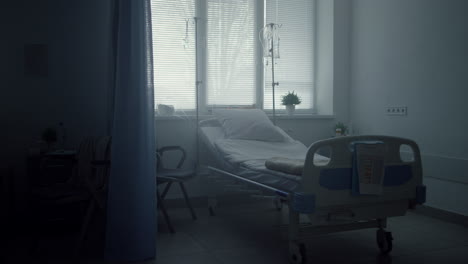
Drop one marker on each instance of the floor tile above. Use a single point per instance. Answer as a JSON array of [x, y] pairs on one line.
[[254, 255], [179, 243], [251, 233], [458, 255], [198, 258]]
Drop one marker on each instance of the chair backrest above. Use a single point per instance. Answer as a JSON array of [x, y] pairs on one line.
[[160, 153]]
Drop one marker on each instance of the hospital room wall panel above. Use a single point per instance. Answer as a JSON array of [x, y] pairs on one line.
[[332, 58], [308, 131], [413, 54], [450, 196], [324, 51]]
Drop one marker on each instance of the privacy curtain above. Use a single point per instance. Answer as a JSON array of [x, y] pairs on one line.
[[131, 210]]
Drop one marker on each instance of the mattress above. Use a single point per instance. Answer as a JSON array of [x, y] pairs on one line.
[[246, 158]]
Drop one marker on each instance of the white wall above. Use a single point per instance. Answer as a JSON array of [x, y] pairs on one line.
[[332, 58], [413, 53]]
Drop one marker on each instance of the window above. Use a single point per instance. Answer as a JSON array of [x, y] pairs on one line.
[[230, 62], [174, 53], [294, 68], [231, 69]]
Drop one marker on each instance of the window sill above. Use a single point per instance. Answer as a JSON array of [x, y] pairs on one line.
[[301, 116], [182, 117], [278, 117]]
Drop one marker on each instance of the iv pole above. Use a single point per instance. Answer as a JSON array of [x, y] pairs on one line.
[[272, 27], [197, 84]]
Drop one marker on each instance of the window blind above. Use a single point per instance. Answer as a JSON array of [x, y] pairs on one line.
[[231, 75], [294, 68], [174, 53]]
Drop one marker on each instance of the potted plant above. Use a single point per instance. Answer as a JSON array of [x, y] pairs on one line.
[[341, 129], [290, 100]]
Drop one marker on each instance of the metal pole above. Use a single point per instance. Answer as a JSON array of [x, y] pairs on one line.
[[273, 84], [197, 83]]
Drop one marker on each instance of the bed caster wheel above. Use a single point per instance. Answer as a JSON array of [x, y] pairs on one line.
[[384, 241], [297, 253]]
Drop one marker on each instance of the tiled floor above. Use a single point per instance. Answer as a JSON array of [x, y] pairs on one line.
[[250, 233]]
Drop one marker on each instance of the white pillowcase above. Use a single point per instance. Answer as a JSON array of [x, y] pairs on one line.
[[250, 124]]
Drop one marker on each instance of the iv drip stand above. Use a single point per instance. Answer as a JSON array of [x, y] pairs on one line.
[[273, 83]]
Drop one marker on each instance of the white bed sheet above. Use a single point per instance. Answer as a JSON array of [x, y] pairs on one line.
[[238, 151], [246, 158]]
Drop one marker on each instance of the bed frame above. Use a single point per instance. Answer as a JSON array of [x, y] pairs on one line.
[[325, 195]]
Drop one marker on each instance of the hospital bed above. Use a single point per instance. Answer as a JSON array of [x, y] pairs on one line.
[[330, 192]]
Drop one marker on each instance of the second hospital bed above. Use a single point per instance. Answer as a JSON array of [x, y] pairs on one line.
[[328, 191]]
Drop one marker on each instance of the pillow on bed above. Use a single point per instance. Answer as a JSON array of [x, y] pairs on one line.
[[250, 124]]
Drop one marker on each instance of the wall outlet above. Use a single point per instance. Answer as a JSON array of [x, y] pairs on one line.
[[397, 110]]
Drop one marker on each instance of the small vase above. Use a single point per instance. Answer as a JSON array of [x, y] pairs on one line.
[[290, 109]]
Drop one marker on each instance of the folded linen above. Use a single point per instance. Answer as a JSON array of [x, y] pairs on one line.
[[290, 166]]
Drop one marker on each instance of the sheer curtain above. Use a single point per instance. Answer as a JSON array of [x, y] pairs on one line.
[[131, 209]]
